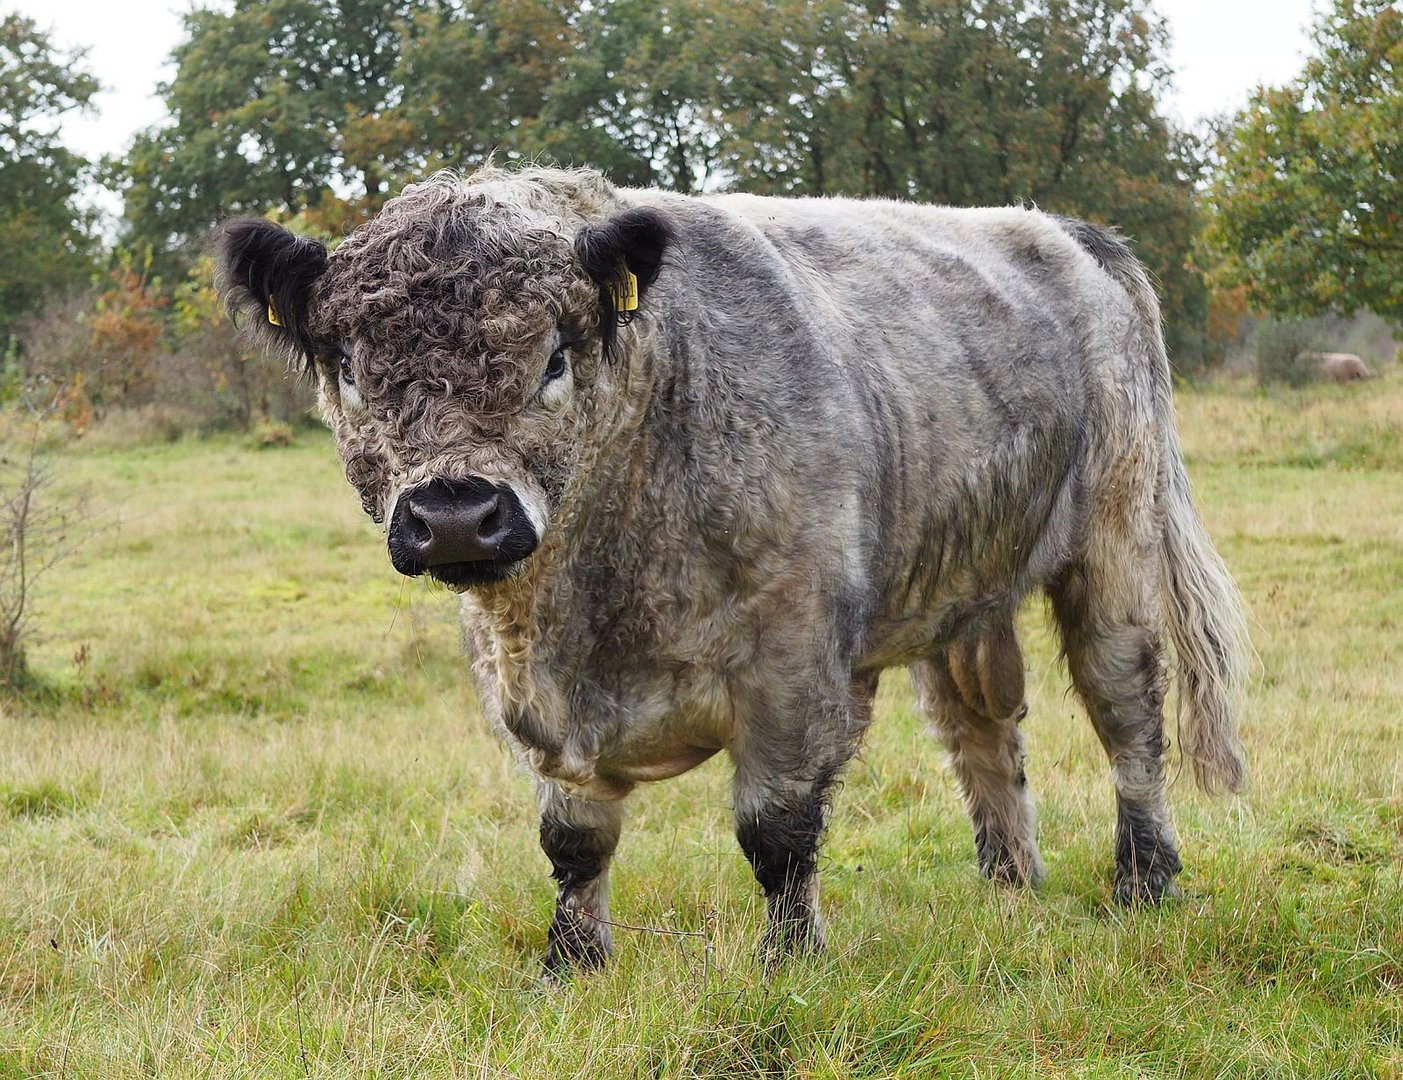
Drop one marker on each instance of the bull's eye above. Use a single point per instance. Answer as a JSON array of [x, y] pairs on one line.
[[346, 377], [557, 381], [556, 366]]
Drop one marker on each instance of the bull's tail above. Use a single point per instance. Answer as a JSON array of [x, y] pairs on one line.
[[1209, 630], [1201, 602]]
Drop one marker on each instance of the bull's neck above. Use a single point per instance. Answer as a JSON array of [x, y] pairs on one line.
[[666, 460]]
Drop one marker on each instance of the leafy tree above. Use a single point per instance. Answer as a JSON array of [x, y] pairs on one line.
[[644, 78], [272, 108], [312, 106], [1309, 212], [613, 84], [301, 105], [474, 78], [967, 102], [39, 178]]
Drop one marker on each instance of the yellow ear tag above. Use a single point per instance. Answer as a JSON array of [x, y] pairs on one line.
[[626, 299], [273, 315]]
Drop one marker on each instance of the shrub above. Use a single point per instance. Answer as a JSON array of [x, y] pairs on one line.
[[142, 366], [38, 530], [1283, 352], [270, 434], [211, 371]]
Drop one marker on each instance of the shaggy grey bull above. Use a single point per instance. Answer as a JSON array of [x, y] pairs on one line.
[[702, 468]]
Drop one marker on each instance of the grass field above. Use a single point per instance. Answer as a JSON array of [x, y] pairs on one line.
[[254, 827]]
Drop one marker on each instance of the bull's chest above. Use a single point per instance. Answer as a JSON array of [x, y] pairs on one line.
[[598, 730]]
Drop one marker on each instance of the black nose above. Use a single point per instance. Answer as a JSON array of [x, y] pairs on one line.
[[462, 531]]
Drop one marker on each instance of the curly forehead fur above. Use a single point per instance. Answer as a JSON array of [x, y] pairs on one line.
[[448, 305], [454, 285]]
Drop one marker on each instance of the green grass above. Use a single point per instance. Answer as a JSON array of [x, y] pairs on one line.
[[255, 828]]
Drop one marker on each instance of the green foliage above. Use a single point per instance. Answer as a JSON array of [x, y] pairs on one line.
[[1051, 102], [627, 86], [1309, 214], [39, 178], [476, 79], [305, 106], [643, 99], [269, 111]]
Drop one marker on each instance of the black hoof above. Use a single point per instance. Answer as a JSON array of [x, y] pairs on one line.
[[574, 945], [1006, 863], [1004, 866], [1134, 889], [793, 937], [1147, 860]]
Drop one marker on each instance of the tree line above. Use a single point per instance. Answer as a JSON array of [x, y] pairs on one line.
[[318, 110]]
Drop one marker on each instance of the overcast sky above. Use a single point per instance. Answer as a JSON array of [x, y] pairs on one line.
[[1221, 50]]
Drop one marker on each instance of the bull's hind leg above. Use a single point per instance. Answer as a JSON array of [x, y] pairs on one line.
[[973, 693], [1115, 649], [579, 837]]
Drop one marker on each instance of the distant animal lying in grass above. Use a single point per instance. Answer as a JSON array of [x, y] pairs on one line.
[[1340, 367], [701, 468]]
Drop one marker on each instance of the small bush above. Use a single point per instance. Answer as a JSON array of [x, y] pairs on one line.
[[1283, 352], [38, 529], [136, 364], [270, 434]]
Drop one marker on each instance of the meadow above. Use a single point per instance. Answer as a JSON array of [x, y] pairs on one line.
[[251, 824]]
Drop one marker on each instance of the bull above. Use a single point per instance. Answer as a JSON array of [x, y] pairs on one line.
[[700, 468]]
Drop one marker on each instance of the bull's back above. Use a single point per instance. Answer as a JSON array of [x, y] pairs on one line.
[[954, 357]]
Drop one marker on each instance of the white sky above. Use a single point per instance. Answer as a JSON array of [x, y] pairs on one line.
[[1221, 50]]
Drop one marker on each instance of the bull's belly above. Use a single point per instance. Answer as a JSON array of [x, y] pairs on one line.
[[969, 582], [611, 780]]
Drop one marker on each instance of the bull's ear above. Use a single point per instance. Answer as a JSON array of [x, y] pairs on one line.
[[266, 274], [623, 254]]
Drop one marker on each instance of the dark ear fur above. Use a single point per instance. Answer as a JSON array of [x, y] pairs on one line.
[[261, 263], [632, 240]]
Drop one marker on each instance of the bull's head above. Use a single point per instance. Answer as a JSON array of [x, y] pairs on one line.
[[463, 346]]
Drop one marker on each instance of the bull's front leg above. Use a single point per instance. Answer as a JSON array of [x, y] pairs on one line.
[[579, 837], [780, 836], [782, 784]]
